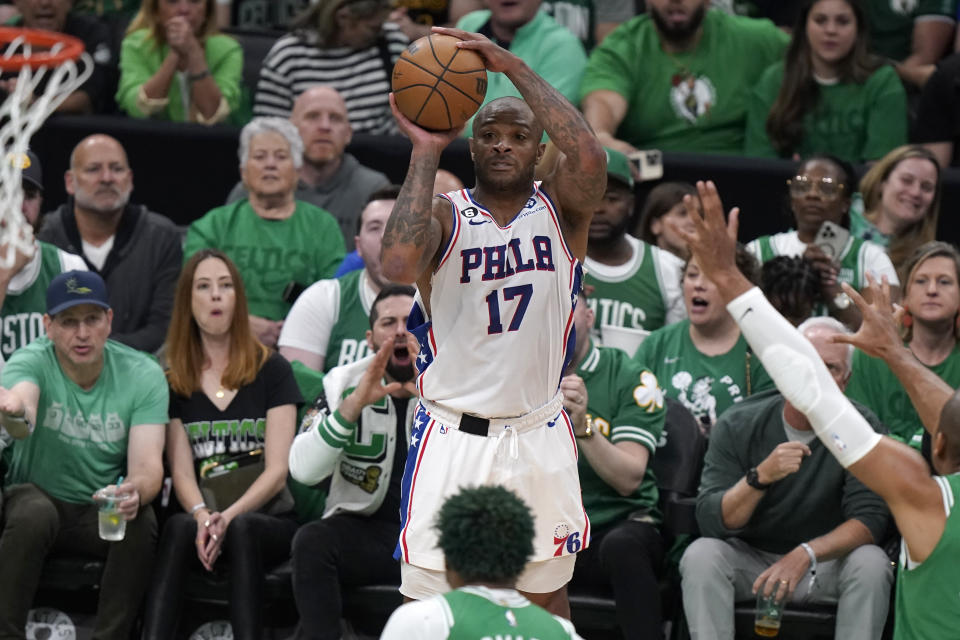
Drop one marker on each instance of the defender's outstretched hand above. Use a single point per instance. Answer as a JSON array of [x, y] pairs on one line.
[[877, 335], [713, 241]]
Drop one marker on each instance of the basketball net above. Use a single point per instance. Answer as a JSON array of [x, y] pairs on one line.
[[22, 113]]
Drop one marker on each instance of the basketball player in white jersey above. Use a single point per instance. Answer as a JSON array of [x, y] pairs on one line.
[[498, 271]]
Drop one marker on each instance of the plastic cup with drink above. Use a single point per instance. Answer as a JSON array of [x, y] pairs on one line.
[[112, 524], [769, 613]]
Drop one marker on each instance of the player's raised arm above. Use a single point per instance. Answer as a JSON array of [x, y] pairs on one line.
[[413, 234], [581, 175]]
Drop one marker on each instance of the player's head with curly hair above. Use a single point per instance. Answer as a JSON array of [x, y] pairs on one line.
[[486, 534], [792, 285]]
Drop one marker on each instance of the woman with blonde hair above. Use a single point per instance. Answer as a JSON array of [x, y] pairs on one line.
[[901, 202], [930, 329], [175, 65], [233, 407]]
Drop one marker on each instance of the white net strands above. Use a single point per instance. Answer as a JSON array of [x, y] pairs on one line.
[[23, 112]]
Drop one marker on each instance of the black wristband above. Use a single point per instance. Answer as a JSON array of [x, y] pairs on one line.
[[753, 479]]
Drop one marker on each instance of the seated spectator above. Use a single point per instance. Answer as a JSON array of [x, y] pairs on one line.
[[328, 324], [175, 65], [138, 252], [329, 177], [55, 15], [663, 206], [830, 95], [616, 407], [221, 374], [792, 285], [280, 245], [359, 439], [551, 51], [99, 410], [931, 298], [486, 535], [415, 17], [345, 45], [901, 202], [703, 361], [780, 515], [23, 287], [913, 34], [820, 192], [590, 20], [635, 285], [678, 78], [937, 124]]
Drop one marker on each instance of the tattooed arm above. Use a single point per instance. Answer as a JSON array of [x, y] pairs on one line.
[[580, 179], [417, 224]]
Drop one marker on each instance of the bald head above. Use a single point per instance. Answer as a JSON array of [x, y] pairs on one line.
[[320, 115], [507, 110], [95, 144], [838, 357]]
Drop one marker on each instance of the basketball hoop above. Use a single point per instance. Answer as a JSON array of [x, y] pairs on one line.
[[36, 55]]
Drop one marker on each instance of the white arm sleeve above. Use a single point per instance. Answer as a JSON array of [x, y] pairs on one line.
[[423, 620], [311, 319], [803, 378]]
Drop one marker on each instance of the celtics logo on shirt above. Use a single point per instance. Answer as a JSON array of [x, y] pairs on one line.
[[696, 396], [904, 7], [46, 623], [691, 96]]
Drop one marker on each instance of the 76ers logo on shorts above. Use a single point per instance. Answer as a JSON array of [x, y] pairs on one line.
[[565, 540]]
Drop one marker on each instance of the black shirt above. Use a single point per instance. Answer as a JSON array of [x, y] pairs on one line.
[[938, 113]]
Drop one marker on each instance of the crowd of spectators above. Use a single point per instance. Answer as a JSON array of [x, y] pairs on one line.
[[272, 310]]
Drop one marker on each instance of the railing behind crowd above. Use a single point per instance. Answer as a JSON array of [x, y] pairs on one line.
[[184, 170]]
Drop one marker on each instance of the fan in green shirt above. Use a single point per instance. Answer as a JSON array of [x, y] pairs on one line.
[[677, 79], [829, 95], [276, 242]]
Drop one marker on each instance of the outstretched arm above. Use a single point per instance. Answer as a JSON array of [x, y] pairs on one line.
[[878, 337], [415, 230], [891, 469]]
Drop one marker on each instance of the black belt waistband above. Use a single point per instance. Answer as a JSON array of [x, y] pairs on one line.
[[474, 425]]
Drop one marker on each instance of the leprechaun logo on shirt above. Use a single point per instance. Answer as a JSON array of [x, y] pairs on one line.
[[904, 7], [691, 96]]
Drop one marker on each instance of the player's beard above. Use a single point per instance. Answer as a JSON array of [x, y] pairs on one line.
[[678, 35]]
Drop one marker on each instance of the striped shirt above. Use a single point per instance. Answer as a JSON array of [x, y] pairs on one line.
[[296, 63]]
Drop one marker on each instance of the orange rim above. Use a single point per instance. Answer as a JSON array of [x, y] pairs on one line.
[[46, 40]]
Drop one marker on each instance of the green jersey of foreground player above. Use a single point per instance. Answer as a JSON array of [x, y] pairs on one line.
[[486, 534], [922, 505]]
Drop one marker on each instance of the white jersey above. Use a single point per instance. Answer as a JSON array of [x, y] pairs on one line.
[[501, 324]]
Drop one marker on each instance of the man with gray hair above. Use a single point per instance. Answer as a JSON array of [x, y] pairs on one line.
[[780, 515], [136, 251], [279, 244]]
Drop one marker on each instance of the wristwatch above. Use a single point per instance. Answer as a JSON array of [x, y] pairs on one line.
[[754, 480], [200, 75], [588, 432]]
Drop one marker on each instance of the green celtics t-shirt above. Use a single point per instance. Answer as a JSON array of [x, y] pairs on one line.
[[643, 293], [693, 101], [26, 299], [706, 385], [926, 606], [855, 122], [626, 404], [80, 440], [874, 385], [270, 254], [348, 338], [890, 23]]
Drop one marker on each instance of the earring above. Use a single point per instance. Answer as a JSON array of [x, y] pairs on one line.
[[906, 319]]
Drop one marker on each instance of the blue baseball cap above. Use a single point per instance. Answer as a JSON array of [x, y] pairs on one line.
[[76, 287]]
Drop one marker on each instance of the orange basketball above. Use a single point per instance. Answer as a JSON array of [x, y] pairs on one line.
[[437, 85]]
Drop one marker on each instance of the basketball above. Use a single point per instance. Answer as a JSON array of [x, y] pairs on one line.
[[437, 85]]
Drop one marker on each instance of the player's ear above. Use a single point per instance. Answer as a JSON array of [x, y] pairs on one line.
[[541, 149], [370, 341]]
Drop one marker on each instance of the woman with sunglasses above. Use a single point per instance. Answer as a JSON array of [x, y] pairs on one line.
[[829, 94], [820, 192]]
